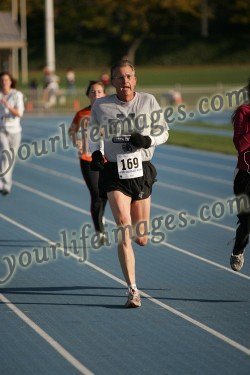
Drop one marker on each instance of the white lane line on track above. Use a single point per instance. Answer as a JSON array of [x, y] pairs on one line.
[[186, 190], [176, 248], [187, 159], [195, 175], [163, 208], [173, 170], [196, 218], [160, 207], [165, 150], [55, 173], [54, 199], [72, 207], [195, 322], [194, 161], [70, 159], [55, 344], [81, 181], [198, 153], [160, 184]]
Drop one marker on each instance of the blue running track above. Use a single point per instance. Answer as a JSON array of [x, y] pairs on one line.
[[66, 316]]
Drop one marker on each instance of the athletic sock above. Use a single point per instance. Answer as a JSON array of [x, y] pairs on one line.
[[132, 286]]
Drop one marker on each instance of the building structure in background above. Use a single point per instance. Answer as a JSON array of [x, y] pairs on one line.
[[13, 40]]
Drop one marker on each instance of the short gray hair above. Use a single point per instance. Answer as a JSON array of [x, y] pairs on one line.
[[120, 64]]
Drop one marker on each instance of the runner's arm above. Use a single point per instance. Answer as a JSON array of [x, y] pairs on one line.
[[73, 129], [241, 137], [159, 127], [94, 135]]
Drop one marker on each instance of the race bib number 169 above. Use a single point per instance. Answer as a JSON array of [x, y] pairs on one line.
[[129, 165]]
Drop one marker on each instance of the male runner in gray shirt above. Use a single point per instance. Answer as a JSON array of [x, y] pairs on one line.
[[131, 124]]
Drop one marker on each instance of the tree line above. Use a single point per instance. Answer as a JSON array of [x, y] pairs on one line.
[[124, 27]]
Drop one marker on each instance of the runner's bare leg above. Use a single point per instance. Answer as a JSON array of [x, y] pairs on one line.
[[140, 215], [121, 205]]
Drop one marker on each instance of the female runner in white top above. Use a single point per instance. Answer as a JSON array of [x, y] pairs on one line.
[[11, 111]]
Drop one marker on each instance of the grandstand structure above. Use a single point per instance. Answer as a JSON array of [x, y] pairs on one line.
[[13, 41]]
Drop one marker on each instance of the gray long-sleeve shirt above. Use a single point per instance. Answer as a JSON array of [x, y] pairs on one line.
[[8, 121], [116, 120]]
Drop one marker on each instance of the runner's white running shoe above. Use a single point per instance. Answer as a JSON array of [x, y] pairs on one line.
[[101, 239], [237, 261], [134, 299]]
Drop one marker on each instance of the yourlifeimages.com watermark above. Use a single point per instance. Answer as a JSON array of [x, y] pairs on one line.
[[79, 243], [121, 125]]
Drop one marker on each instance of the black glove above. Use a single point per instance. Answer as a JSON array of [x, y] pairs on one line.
[[140, 141], [97, 163]]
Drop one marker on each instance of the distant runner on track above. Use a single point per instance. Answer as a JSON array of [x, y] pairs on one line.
[[11, 112], [78, 134], [241, 122]]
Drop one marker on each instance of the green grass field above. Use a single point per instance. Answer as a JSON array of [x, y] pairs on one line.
[[202, 142], [167, 76], [200, 124], [194, 75]]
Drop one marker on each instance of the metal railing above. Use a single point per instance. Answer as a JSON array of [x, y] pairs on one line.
[[65, 101]]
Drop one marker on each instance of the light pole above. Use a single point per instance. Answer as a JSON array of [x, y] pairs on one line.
[[14, 55], [50, 34], [24, 51], [23, 35]]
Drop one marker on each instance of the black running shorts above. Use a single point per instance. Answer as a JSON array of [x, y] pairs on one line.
[[137, 188]]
